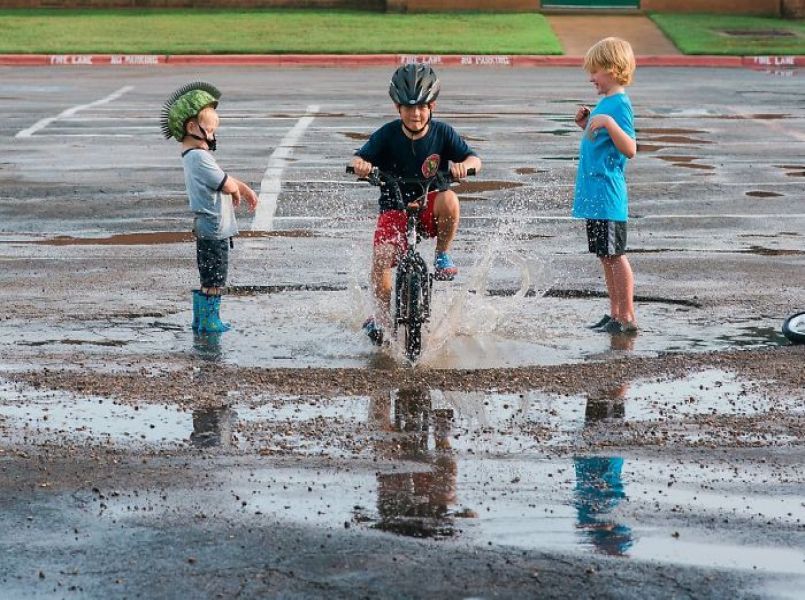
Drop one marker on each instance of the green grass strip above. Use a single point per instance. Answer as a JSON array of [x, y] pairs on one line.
[[271, 32], [710, 34]]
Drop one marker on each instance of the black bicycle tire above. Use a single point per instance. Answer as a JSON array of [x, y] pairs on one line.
[[794, 335], [412, 326]]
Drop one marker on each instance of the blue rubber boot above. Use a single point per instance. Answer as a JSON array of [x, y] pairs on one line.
[[209, 319], [196, 308]]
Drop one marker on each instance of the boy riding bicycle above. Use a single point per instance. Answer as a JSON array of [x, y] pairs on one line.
[[413, 146]]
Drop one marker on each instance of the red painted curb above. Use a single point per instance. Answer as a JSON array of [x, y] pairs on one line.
[[381, 60]]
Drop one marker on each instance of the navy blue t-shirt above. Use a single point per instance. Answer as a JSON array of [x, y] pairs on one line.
[[390, 150]]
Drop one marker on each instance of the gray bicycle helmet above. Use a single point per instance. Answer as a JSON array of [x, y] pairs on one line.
[[414, 84]]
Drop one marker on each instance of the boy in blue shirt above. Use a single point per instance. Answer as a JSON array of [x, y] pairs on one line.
[[601, 197], [413, 146], [189, 117]]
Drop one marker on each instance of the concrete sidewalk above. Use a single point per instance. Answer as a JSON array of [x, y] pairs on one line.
[[577, 33]]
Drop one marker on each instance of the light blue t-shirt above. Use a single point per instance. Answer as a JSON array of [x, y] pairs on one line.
[[215, 215], [600, 182]]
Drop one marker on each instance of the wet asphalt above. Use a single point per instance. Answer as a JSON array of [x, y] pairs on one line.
[[524, 456]]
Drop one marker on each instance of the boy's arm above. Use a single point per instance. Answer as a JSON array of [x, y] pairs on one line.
[[625, 143]]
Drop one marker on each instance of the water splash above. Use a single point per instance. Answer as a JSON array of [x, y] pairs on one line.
[[466, 310]]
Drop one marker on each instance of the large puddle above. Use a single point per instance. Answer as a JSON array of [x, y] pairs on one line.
[[287, 326], [481, 422], [483, 467]]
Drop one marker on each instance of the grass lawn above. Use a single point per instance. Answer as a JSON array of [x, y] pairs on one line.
[[704, 34], [271, 31]]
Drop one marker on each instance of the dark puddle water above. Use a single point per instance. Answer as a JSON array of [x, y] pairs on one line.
[[763, 194], [473, 187], [793, 170], [151, 238], [528, 170], [685, 162], [355, 136]]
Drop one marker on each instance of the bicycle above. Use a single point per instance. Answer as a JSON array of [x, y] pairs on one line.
[[413, 283]]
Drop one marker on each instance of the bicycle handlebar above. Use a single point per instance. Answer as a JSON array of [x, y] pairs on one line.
[[376, 176]]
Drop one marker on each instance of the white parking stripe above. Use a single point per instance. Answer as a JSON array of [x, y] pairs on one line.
[[272, 178], [26, 133]]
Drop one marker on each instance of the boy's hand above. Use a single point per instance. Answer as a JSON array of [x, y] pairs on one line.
[[599, 122], [581, 116], [235, 198], [362, 167], [458, 170], [251, 197]]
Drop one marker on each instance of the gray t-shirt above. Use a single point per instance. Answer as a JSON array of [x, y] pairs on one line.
[[215, 216]]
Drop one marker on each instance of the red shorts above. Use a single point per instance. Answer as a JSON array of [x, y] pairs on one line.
[[392, 226]]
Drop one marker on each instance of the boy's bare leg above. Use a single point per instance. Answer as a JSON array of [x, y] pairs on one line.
[[609, 278], [623, 283], [446, 212], [382, 261]]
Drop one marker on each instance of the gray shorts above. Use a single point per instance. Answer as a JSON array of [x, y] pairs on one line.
[[213, 261], [606, 238]]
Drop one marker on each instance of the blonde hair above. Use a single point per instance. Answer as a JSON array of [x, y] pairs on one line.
[[614, 56]]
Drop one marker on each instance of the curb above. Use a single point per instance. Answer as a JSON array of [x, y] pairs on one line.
[[380, 60]]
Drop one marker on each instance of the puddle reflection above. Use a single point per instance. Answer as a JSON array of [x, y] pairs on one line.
[[415, 501], [599, 485], [207, 346], [213, 428]]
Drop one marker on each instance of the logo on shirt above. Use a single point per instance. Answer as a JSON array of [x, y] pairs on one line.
[[431, 165]]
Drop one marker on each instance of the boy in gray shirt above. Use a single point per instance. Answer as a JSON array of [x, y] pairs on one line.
[[189, 116]]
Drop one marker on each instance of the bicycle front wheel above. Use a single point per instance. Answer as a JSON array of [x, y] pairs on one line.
[[409, 306]]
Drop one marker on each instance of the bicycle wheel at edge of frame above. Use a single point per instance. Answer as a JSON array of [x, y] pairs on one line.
[[794, 328]]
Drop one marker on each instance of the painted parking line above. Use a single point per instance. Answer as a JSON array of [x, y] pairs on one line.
[[272, 178], [41, 124]]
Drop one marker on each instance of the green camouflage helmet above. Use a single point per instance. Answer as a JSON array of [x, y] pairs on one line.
[[184, 104]]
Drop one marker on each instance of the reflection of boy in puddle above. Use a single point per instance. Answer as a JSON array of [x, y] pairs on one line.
[[416, 503], [599, 487], [623, 342], [212, 427], [207, 346]]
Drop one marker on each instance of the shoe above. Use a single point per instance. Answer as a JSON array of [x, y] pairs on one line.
[[209, 318], [616, 327], [444, 269], [373, 331], [604, 320]]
